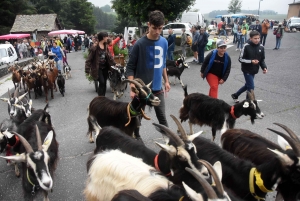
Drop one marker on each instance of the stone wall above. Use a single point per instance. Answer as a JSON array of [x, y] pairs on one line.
[[3, 68]]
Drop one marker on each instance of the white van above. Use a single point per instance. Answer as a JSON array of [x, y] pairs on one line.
[[177, 27], [194, 18], [132, 30], [8, 53]]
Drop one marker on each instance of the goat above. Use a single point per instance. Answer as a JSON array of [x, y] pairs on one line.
[[48, 78], [67, 71], [134, 175], [176, 72], [177, 63], [38, 160], [253, 147], [243, 178], [61, 84], [16, 76], [109, 112], [117, 84], [201, 109], [12, 100]]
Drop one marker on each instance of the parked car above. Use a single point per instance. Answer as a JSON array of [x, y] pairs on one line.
[[293, 22], [177, 27], [8, 53]]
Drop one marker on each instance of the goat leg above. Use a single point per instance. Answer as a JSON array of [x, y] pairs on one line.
[[181, 82], [46, 198]]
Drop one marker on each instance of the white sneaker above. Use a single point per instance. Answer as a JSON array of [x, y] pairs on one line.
[[237, 49]]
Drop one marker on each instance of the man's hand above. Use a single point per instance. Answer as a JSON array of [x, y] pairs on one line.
[[201, 74], [255, 61], [167, 86], [132, 94], [221, 81], [265, 71]]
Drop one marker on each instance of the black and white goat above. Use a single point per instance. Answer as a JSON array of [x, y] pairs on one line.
[[122, 115], [251, 146], [203, 110], [177, 63], [38, 160], [12, 100], [117, 76], [123, 171], [176, 72], [243, 178], [61, 83]]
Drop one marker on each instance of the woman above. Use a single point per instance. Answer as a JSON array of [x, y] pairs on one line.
[[111, 43], [278, 33], [216, 68], [98, 62], [59, 54]]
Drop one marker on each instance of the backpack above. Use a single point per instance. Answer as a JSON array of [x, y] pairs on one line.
[[189, 40]]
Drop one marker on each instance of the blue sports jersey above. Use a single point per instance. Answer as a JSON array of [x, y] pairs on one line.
[[147, 61]]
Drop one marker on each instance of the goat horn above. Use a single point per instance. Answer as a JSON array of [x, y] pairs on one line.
[[22, 96], [134, 82], [140, 81], [180, 128], [296, 147], [38, 138], [9, 96], [289, 131], [170, 134], [214, 174], [211, 194], [25, 143]]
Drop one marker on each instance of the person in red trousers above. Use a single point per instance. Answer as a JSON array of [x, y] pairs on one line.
[[216, 68]]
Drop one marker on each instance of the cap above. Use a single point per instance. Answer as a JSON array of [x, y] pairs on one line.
[[221, 43]]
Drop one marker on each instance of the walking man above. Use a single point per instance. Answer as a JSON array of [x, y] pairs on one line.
[[171, 44], [202, 41], [264, 31], [252, 57], [183, 42]]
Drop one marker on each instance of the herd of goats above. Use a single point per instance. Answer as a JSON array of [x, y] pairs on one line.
[[188, 167]]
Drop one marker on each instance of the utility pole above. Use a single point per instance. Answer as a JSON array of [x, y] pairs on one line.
[[259, 6]]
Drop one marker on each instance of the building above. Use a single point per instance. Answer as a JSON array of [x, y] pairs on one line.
[[36, 25], [294, 10]]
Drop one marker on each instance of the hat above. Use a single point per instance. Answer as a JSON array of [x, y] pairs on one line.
[[221, 43]]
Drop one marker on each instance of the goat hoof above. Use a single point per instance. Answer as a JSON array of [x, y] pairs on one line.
[[91, 140]]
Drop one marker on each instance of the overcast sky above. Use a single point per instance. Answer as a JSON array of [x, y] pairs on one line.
[[206, 6]]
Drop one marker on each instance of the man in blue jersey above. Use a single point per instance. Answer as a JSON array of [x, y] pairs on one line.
[[148, 62]]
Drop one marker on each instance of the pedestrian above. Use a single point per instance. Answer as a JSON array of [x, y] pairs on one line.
[[202, 41], [24, 49], [240, 41], [195, 43], [17, 49], [278, 34], [86, 43], [111, 43], [59, 54], [171, 44], [264, 31], [235, 31], [223, 30], [129, 44], [65, 61], [75, 45], [243, 27], [252, 57], [98, 62], [183, 42], [69, 44], [257, 27], [271, 24], [284, 23], [216, 68], [148, 62], [220, 26]]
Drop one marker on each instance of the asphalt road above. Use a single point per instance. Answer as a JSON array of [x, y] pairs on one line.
[[278, 90]]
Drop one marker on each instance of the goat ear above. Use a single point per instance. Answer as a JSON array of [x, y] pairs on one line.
[[193, 136], [47, 141], [134, 90], [16, 158], [170, 149], [218, 168], [246, 104], [192, 194], [4, 99], [283, 143], [284, 158]]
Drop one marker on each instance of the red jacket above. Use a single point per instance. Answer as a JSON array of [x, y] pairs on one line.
[[111, 46]]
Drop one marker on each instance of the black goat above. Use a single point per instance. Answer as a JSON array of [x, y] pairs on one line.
[[117, 77], [61, 84], [203, 110], [119, 114], [253, 147], [177, 63], [38, 160], [236, 172], [176, 72]]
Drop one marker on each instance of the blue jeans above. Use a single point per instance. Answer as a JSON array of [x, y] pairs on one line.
[[278, 42], [240, 42], [224, 32], [58, 65], [201, 54], [235, 38], [249, 85], [170, 55]]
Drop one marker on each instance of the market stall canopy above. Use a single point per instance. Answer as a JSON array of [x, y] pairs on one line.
[[65, 31], [14, 36]]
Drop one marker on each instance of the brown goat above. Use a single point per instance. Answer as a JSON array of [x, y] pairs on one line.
[[48, 78], [16, 76]]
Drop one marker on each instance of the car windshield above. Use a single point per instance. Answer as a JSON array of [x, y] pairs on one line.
[[295, 20], [3, 53]]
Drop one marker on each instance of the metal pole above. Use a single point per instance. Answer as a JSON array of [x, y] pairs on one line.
[[258, 7]]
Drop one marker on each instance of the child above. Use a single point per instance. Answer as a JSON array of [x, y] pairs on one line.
[[240, 40], [65, 58]]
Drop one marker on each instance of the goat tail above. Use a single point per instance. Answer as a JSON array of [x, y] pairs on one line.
[[185, 90]]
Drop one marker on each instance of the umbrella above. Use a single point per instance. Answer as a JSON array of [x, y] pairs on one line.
[[65, 31], [14, 36]]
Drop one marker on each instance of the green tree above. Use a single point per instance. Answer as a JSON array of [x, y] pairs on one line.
[[106, 8], [137, 10], [104, 21], [235, 6]]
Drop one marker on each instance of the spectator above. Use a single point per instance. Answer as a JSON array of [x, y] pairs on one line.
[[235, 31], [240, 40], [86, 43], [252, 57], [183, 42], [195, 43], [245, 25], [75, 43], [171, 44], [98, 62], [264, 31], [65, 61], [111, 43], [150, 65], [279, 35], [69, 44], [220, 26], [284, 23], [216, 68], [257, 27], [223, 30], [59, 54], [58, 42], [16, 48], [129, 44], [202, 41]]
